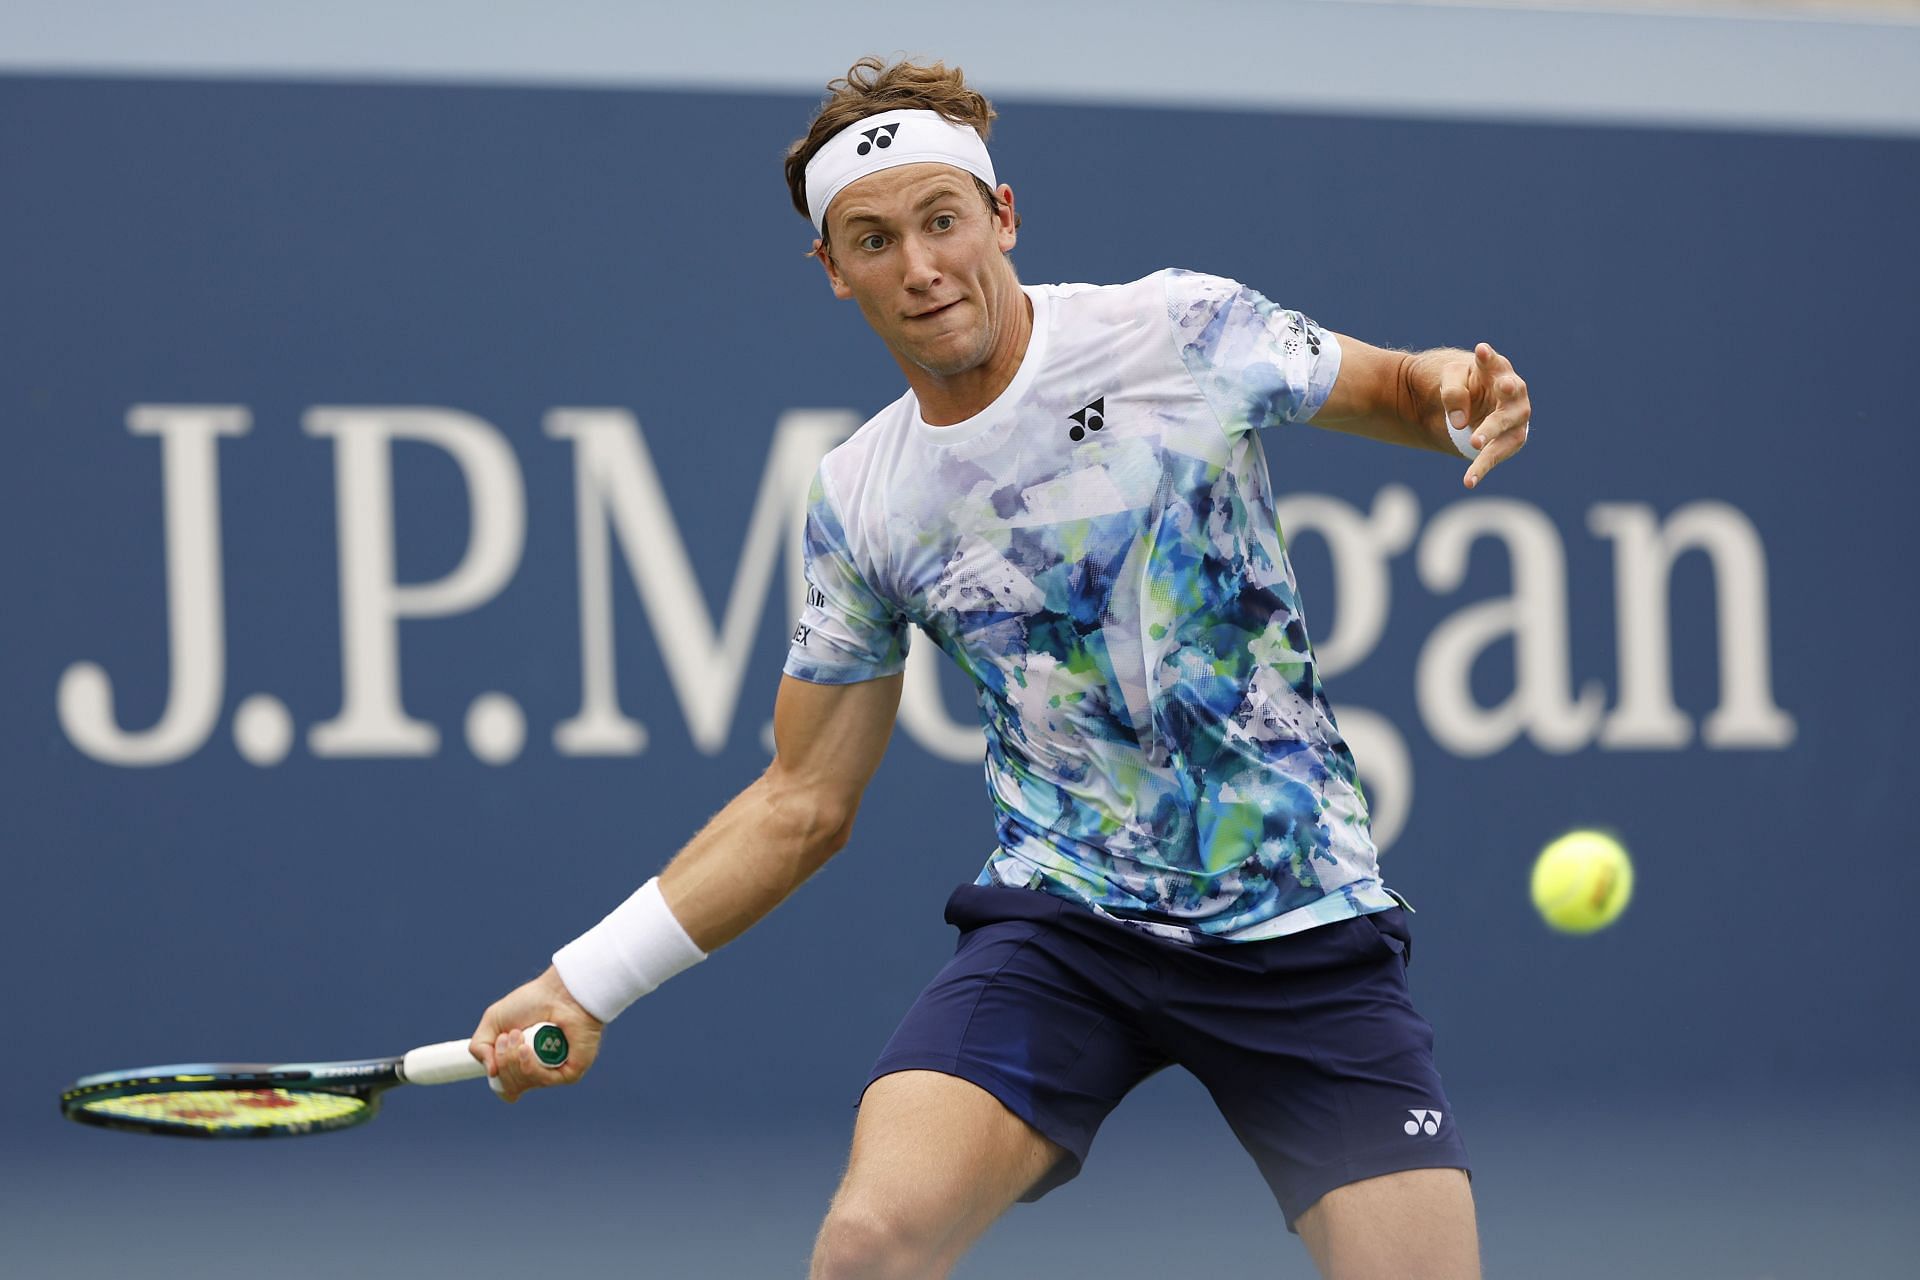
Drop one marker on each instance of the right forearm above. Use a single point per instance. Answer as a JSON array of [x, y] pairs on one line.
[[739, 867], [753, 853]]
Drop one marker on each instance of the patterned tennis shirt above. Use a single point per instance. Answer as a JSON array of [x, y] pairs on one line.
[[1098, 550]]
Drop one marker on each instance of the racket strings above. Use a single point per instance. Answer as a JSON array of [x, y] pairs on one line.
[[223, 1110]]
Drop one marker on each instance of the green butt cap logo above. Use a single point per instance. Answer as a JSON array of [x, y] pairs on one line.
[[550, 1045]]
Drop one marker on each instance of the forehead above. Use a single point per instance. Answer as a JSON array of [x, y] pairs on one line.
[[893, 192]]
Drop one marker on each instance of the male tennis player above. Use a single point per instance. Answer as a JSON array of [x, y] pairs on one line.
[[1070, 501]]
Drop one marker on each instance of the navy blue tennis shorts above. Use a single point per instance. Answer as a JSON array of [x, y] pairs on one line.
[[1309, 1043]]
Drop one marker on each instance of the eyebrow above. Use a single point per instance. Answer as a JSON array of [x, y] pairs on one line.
[[947, 190]]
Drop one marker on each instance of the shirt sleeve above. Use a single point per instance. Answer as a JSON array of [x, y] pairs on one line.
[[1258, 364], [847, 632]]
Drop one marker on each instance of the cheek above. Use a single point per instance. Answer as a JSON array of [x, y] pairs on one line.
[[851, 284], [864, 280]]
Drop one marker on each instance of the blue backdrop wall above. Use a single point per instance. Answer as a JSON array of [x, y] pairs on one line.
[[399, 486]]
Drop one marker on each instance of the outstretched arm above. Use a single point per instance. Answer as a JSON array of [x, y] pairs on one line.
[[829, 739], [781, 829], [1411, 398]]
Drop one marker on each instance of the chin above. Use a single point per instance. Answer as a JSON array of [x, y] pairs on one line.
[[947, 359]]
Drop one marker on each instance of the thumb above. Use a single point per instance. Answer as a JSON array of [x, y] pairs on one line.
[[480, 1044], [1456, 399], [1456, 403]]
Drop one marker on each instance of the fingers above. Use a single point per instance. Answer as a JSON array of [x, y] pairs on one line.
[[501, 1041], [1510, 413], [1507, 412], [1471, 391], [520, 1068], [1505, 434], [1501, 445], [515, 1079], [1488, 379]]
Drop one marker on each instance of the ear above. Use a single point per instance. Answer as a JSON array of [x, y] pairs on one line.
[[1007, 227], [834, 281]]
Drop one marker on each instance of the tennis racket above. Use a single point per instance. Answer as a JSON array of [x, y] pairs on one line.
[[267, 1100]]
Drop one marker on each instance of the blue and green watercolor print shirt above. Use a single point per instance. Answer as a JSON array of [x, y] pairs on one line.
[[1098, 550]]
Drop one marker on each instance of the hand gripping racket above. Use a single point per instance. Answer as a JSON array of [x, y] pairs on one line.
[[262, 1100]]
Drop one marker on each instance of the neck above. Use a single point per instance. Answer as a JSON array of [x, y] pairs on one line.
[[946, 399]]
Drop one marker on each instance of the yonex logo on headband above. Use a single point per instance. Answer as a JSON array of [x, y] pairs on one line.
[[881, 137]]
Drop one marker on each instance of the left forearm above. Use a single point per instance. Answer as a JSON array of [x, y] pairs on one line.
[[1392, 396]]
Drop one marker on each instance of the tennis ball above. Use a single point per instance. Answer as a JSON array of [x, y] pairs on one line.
[[1581, 882]]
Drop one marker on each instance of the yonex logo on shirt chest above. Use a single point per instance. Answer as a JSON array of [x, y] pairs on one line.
[[1091, 418]]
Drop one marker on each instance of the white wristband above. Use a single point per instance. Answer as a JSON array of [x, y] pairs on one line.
[[636, 948]]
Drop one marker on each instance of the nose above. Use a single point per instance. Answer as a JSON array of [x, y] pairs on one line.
[[922, 273]]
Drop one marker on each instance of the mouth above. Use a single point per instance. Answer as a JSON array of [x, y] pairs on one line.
[[934, 311]]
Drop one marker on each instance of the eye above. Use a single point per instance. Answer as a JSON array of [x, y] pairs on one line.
[[873, 242], [944, 222]]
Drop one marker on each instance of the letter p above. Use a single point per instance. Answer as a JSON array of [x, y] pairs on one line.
[[372, 720]]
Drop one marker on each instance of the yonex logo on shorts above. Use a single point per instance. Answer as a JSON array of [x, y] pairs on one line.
[[881, 137], [801, 632], [1091, 418], [1423, 1121]]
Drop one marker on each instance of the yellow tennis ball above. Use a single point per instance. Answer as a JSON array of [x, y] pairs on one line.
[[1581, 882]]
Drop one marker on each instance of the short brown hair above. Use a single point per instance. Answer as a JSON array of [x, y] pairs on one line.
[[872, 86]]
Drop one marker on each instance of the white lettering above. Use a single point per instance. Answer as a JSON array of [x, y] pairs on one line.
[[617, 488], [372, 719], [619, 495], [196, 616], [1535, 615], [1644, 553], [1360, 546]]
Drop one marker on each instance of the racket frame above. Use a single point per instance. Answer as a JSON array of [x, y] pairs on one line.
[[365, 1080]]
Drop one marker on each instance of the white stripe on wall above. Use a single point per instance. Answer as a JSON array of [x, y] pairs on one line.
[[1843, 74]]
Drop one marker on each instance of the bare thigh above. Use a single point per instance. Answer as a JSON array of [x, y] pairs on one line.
[[935, 1161], [1413, 1225]]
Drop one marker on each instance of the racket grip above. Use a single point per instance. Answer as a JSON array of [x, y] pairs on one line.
[[449, 1062], [441, 1064]]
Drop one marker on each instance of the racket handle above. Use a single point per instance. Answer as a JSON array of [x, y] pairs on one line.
[[449, 1062]]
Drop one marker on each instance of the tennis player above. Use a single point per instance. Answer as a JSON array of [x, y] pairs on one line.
[[1070, 501]]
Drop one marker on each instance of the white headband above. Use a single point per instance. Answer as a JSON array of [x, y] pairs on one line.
[[886, 141]]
